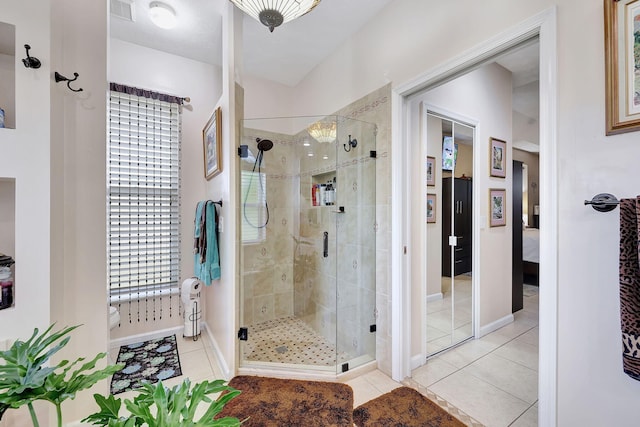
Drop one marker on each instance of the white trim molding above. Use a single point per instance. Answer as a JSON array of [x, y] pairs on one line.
[[495, 325]]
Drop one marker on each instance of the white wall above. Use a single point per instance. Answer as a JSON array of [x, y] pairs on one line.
[[405, 41], [25, 158], [141, 67], [78, 183]]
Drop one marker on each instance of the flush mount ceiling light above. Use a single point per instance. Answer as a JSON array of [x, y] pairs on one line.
[[274, 13], [323, 131], [162, 15]]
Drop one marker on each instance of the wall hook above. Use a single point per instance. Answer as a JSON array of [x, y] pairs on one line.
[[30, 61], [352, 144], [60, 78]]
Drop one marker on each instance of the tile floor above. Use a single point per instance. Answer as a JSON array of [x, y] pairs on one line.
[[492, 380]]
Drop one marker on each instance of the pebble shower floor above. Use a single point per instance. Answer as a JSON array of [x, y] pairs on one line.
[[290, 340]]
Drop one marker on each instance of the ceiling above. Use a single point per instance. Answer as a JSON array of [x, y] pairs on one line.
[[289, 53]]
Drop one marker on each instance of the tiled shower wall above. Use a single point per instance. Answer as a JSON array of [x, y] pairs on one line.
[[267, 266]]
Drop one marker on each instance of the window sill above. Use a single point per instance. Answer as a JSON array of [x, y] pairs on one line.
[[137, 296]]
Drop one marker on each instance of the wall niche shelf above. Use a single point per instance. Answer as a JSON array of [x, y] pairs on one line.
[[7, 76], [325, 180]]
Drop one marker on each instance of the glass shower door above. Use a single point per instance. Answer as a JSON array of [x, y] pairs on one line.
[[356, 243]]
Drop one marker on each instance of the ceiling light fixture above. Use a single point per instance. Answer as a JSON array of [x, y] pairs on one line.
[[323, 131], [274, 13], [162, 15]]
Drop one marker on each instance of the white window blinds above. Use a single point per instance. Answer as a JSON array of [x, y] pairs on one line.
[[253, 187], [143, 209]]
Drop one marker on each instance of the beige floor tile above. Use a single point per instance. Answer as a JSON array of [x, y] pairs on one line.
[[528, 419], [530, 337], [434, 370], [520, 352], [362, 391], [508, 376], [513, 330], [479, 399], [195, 365], [468, 353], [186, 345], [381, 381]]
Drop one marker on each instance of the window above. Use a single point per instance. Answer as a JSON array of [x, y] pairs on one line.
[[253, 187], [143, 209]]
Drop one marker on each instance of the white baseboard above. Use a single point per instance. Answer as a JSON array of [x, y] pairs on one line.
[[494, 326], [216, 349], [132, 339], [417, 361], [434, 297]]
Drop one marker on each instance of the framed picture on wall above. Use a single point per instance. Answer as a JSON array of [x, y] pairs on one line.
[[497, 207], [498, 157], [431, 208], [622, 65], [211, 140], [431, 171]]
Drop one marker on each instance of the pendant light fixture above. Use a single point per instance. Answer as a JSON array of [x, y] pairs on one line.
[[274, 13], [323, 131]]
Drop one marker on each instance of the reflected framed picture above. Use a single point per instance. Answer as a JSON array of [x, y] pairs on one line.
[[497, 207], [431, 171], [211, 140], [622, 65], [431, 208], [498, 157]]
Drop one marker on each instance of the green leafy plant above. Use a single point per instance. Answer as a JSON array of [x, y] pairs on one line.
[[26, 376], [159, 406]]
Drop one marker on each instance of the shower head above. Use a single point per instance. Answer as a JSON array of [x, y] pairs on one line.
[[264, 144]]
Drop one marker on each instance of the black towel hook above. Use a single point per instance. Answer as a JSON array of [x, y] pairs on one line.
[[603, 202], [60, 78], [30, 61]]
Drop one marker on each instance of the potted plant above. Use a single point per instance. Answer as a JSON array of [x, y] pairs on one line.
[[158, 406], [26, 376]]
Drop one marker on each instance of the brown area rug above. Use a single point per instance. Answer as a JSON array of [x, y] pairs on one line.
[[403, 407], [293, 403]]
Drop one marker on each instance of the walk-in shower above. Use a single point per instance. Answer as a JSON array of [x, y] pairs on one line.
[[308, 276]]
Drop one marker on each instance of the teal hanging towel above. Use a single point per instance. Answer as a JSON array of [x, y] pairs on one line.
[[205, 246]]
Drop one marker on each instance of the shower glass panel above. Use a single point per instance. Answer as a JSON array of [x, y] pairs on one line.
[[307, 243]]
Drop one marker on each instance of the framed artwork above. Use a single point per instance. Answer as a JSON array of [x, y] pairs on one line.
[[498, 157], [431, 171], [622, 65], [497, 207], [449, 153], [431, 208], [211, 140]]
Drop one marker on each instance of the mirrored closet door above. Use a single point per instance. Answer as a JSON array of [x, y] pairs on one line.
[[449, 239]]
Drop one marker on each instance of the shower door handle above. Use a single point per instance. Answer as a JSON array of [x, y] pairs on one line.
[[325, 244]]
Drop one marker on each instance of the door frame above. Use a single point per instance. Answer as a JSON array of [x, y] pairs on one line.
[[544, 26]]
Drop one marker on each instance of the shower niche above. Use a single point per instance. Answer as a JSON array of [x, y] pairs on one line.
[[307, 260]]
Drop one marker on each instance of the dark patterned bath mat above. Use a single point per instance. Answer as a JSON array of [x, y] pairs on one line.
[[149, 361]]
